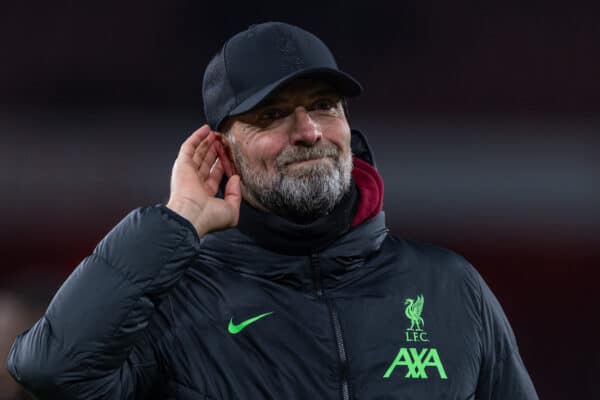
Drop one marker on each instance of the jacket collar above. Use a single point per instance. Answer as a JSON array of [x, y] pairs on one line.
[[337, 263], [281, 235]]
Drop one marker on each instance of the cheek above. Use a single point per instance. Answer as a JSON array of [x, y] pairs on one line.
[[339, 134], [261, 152]]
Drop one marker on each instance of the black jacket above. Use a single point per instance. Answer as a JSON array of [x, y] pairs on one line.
[[148, 315]]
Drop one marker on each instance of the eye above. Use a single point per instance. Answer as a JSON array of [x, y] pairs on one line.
[[325, 104], [271, 114]]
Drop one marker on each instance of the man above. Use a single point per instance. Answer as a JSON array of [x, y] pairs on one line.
[[295, 292]]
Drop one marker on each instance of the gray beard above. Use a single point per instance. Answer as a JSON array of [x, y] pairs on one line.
[[303, 193]]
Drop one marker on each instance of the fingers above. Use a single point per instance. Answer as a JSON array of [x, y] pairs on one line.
[[205, 156], [193, 141], [233, 196], [214, 179]]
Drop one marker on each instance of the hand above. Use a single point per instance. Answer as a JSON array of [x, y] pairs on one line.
[[196, 175]]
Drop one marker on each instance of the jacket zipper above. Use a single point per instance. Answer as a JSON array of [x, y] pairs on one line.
[[337, 328], [341, 351]]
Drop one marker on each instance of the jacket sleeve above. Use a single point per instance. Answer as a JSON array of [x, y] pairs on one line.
[[503, 374], [99, 336]]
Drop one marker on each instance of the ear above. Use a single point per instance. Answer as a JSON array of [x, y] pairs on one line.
[[225, 153]]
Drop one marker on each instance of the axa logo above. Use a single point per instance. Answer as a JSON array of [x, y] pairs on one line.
[[416, 363]]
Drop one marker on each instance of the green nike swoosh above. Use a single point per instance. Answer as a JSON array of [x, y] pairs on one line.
[[237, 328]]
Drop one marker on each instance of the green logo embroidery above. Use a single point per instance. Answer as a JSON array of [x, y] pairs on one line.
[[237, 328], [413, 310], [416, 362]]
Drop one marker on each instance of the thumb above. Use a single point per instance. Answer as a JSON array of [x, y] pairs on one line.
[[233, 195]]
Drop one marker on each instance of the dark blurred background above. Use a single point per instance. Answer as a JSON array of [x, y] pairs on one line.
[[484, 118]]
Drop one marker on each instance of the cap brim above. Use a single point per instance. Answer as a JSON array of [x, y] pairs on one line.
[[344, 83]]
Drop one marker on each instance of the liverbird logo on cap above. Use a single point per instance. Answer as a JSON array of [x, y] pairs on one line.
[[290, 60]]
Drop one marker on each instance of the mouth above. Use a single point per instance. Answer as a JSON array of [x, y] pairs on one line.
[[308, 161]]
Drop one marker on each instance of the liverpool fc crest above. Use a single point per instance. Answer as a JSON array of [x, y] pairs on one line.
[[413, 310]]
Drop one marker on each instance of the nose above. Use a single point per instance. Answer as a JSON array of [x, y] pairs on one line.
[[306, 131]]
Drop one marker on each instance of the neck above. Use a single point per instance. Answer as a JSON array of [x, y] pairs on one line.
[[286, 208], [248, 197], [284, 235]]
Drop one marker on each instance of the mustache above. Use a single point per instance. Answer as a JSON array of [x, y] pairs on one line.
[[296, 154]]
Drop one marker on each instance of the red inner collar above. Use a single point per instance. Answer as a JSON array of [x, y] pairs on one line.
[[370, 187]]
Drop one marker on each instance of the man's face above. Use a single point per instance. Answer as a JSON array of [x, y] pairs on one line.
[[293, 151]]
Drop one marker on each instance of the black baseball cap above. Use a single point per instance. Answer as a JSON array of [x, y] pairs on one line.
[[254, 63]]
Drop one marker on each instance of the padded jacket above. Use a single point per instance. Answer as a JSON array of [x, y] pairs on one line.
[[155, 312]]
